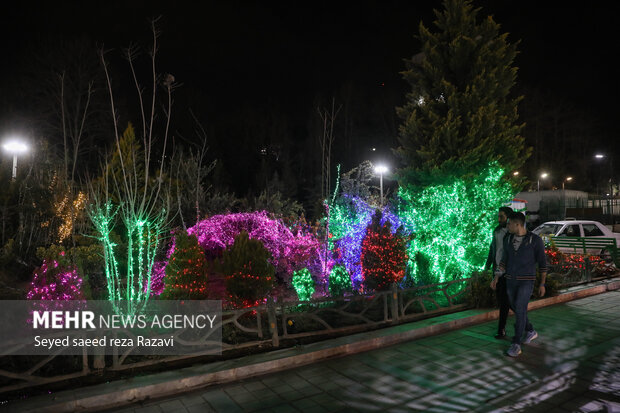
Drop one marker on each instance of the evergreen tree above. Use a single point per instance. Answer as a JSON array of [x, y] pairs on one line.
[[384, 255], [186, 270], [460, 115], [249, 274]]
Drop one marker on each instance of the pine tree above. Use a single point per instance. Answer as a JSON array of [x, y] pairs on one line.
[[459, 115], [186, 270], [249, 275], [384, 256]]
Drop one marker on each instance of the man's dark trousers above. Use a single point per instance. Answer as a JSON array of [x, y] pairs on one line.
[[504, 304], [519, 293]]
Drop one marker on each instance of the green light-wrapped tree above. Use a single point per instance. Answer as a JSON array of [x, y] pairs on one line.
[[133, 196], [460, 134]]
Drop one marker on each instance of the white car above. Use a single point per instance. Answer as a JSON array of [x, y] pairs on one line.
[[577, 228]]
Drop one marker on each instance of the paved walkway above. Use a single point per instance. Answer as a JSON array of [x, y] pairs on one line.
[[574, 365]]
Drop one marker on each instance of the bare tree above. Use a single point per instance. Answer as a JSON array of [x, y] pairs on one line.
[[326, 141], [130, 194]]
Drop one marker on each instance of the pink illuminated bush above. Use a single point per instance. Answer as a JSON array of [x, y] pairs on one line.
[[52, 281], [289, 252]]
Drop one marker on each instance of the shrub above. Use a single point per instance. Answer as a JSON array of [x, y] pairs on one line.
[[303, 284], [339, 281], [384, 255], [249, 274], [479, 293], [55, 280], [186, 270]]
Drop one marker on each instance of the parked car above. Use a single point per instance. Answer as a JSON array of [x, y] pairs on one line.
[[578, 228]]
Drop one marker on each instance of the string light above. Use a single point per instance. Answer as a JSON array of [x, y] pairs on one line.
[[384, 257], [289, 251], [349, 219], [143, 237], [339, 281], [303, 284], [53, 281], [453, 224], [186, 270], [68, 212]]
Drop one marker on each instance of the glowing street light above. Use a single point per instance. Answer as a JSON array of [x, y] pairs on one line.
[[568, 179], [599, 156], [381, 169], [15, 147], [516, 173], [542, 176]]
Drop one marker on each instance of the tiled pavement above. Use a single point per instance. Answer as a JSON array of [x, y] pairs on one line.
[[574, 365]]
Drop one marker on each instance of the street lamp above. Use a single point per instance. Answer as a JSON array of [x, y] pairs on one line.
[[568, 179], [600, 156], [381, 169], [15, 147], [516, 173], [542, 176]]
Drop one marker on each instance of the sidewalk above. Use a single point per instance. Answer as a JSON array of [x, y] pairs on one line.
[[463, 369]]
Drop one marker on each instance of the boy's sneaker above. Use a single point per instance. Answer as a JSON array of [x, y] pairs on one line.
[[501, 334], [529, 336], [514, 350]]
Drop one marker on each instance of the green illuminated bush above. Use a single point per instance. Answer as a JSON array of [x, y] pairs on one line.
[[339, 281], [303, 284]]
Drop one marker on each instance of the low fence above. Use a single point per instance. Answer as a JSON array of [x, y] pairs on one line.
[[574, 269], [279, 324], [270, 325]]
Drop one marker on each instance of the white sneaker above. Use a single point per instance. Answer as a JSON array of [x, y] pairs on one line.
[[529, 336]]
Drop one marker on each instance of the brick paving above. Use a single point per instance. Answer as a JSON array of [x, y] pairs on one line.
[[574, 365]]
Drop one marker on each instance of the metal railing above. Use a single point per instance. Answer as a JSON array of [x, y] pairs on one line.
[[273, 324]]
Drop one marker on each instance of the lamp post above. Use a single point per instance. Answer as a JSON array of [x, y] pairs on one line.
[[15, 147], [567, 179], [542, 176], [381, 169], [610, 195]]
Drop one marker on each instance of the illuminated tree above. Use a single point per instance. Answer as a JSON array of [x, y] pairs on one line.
[[186, 276], [131, 193], [453, 225], [460, 115], [249, 274], [350, 217], [384, 255]]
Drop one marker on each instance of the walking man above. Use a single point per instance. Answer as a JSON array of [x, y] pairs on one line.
[[495, 255], [523, 250]]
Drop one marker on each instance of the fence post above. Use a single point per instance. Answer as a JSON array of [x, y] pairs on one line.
[[273, 324], [394, 302]]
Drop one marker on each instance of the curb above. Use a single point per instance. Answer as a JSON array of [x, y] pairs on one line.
[[123, 392]]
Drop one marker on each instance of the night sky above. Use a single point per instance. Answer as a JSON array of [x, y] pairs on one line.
[[238, 60]]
